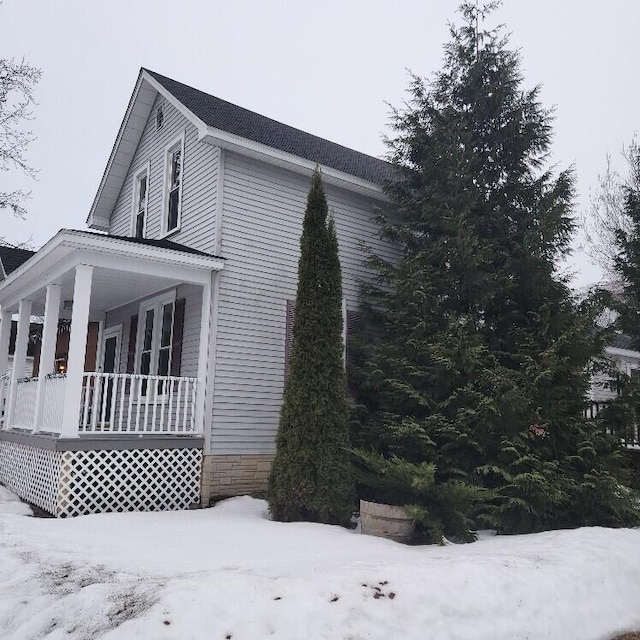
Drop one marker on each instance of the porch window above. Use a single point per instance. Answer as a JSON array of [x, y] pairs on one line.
[[141, 189], [173, 185], [156, 336]]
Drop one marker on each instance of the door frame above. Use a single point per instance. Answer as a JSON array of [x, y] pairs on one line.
[[111, 332]]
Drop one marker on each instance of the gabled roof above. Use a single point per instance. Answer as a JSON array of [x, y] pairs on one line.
[[11, 258], [231, 118], [231, 127]]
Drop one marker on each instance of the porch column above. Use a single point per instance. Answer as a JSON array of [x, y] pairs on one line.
[[19, 356], [203, 357], [48, 348], [5, 334], [77, 350]]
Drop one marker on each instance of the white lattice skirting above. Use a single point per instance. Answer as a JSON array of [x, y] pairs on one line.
[[31, 473], [71, 483]]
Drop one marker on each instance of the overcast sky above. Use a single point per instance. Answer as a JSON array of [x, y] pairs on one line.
[[326, 67]]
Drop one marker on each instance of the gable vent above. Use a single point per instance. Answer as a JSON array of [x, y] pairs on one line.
[[159, 118]]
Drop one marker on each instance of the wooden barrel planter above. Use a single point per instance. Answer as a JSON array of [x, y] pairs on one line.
[[386, 521]]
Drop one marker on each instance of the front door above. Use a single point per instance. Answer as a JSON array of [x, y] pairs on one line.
[[110, 364]]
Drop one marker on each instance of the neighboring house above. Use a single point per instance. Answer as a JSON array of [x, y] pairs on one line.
[[11, 258], [627, 360], [189, 271]]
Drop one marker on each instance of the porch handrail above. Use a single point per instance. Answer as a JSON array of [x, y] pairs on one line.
[[23, 413], [5, 380], [137, 403]]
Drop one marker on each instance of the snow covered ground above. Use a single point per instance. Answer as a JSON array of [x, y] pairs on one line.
[[231, 573]]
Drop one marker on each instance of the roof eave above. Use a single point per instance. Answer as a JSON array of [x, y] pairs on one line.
[[140, 103], [260, 151], [38, 267]]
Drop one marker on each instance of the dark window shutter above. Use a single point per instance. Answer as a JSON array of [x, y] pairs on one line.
[[133, 334], [176, 340], [288, 336]]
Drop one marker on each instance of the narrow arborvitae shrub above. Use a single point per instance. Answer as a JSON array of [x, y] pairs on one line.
[[475, 353], [311, 477]]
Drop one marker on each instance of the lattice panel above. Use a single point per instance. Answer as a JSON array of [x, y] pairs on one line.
[[31, 473], [134, 480]]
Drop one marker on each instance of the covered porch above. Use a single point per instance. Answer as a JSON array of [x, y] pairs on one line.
[[125, 399]]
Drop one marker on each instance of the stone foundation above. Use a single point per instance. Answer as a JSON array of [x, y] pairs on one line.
[[234, 475]]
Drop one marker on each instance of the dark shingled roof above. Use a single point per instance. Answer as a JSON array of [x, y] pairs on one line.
[[223, 115], [163, 244], [12, 258]]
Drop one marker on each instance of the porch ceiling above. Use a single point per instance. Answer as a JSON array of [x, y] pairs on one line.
[[124, 271], [111, 288]]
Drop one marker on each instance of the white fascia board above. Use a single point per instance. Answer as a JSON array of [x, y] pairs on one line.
[[95, 221], [260, 151], [173, 101], [626, 353], [124, 248]]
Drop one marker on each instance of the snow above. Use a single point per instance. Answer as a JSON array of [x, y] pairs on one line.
[[230, 572]]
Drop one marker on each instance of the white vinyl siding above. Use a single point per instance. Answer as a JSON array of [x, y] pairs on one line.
[[263, 208], [199, 174]]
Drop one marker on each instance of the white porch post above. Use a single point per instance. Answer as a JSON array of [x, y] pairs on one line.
[[48, 348], [19, 356], [77, 350], [203, 356], [5, 333]]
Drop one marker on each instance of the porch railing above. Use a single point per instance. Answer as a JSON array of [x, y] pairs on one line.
[[133, 403], [25, 403], [53, 391], [629, 434], [4, 397]]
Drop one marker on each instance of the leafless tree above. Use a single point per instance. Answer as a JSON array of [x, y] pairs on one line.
[[607, 215], [17, 80]]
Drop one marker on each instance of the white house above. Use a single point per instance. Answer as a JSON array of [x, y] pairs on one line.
[[187, 267]]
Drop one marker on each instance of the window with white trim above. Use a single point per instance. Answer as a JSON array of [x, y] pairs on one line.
[[159, 118], [174, 163], [140, 202], [155, 335]]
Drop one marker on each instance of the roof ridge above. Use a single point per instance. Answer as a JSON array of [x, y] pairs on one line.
[[232, 118]]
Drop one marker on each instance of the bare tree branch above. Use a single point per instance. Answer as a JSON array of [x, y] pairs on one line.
[[607, 214], [17, 80]]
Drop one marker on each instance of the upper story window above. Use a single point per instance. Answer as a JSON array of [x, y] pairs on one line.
[[140, 202], [174, 163], [159, 118]]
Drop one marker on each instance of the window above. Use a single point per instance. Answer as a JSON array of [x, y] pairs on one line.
[[140, 200], [159, 118], [174, 163], [155, 332]]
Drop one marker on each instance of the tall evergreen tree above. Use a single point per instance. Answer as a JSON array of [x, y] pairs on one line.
[[477, 362], [627, 260], [623, 414], [311, 475]]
